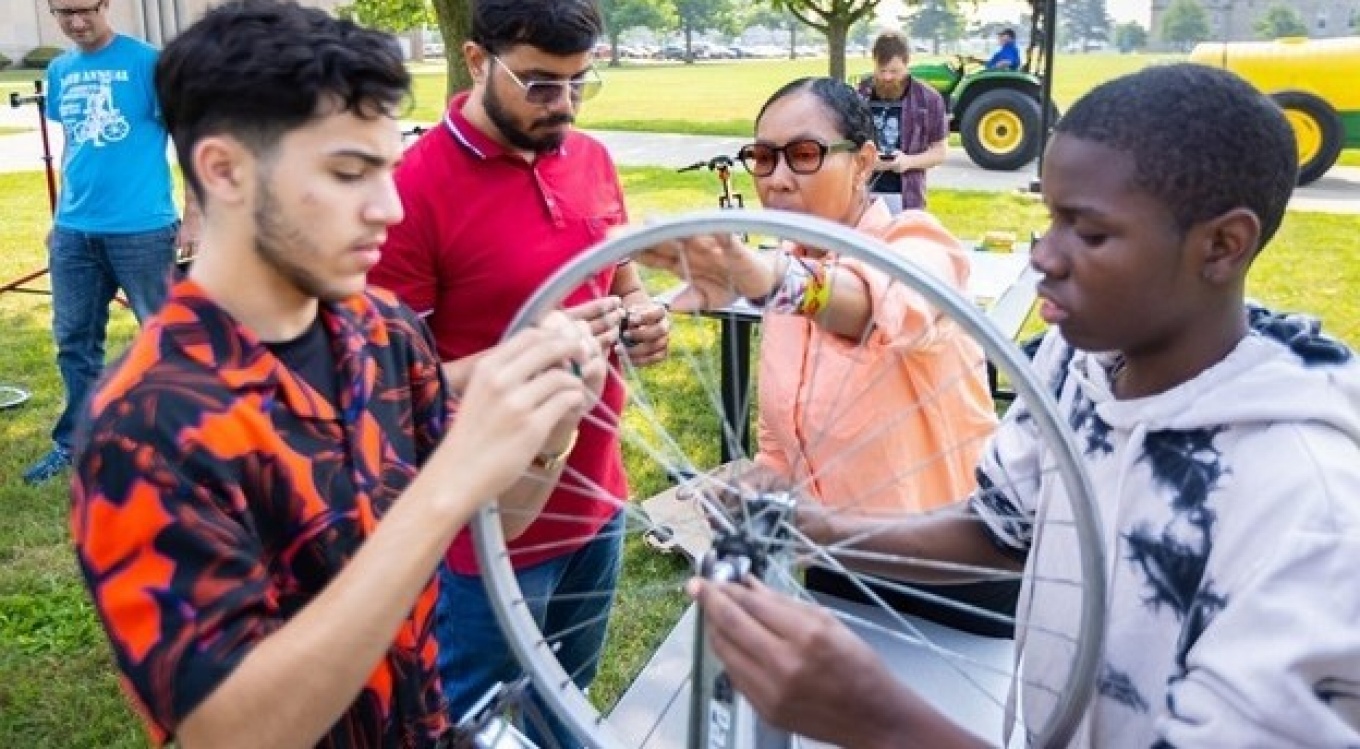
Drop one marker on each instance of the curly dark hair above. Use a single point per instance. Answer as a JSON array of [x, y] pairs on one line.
[[558, 27], [852, 115], [1203, 141], [257, 69]]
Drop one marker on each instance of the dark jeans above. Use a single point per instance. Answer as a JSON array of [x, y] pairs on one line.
[[570, 597], [87, 270], [998, 596]]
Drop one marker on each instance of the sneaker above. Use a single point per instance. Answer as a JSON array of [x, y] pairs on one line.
[[49, 467]]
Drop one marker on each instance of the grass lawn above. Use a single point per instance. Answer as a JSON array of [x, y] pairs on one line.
[[56, 683], [722, 97]]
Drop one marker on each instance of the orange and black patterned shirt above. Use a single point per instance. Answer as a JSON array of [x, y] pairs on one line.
[[216, 494]]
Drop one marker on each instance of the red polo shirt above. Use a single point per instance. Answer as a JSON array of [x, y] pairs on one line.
[[483, 230]]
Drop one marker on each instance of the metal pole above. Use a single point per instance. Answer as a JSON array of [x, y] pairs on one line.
[[1046, 84]]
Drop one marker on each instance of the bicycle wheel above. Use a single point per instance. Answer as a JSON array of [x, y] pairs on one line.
[[663, 436]]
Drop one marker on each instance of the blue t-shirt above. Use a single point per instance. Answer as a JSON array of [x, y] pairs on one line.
[[1009, 53], [115, 178]]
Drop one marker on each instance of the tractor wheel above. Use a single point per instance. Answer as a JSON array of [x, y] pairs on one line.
[[1317, 130], [1000, 130]]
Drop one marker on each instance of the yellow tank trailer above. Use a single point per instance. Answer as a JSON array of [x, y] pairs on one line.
[[1315, 81]]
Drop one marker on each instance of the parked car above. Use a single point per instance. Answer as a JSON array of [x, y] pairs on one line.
[[1313, 80]]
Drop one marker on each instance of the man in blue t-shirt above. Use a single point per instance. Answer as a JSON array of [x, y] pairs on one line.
[[116, 224], [1008, 56]]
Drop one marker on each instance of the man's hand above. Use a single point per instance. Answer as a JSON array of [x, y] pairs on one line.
[[593, 371], [801, 669], [604, 316], [718, 267], [518, 392], [646, 334]]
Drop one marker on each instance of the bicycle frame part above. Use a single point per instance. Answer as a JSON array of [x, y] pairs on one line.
[[728, 199]]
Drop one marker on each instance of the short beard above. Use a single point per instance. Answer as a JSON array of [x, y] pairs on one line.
[[518, 138], [273, 233], [890, 91]]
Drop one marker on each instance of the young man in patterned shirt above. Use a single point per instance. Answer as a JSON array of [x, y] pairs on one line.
[[269, 479]]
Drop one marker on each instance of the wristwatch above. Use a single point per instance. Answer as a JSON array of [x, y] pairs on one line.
[[549, 462]]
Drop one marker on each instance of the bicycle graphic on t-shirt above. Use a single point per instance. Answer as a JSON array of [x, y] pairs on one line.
[[103, 121]]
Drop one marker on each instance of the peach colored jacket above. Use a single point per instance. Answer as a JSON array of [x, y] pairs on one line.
[[896, 423]]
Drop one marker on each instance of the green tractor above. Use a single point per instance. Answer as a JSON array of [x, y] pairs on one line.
[[997, 113]]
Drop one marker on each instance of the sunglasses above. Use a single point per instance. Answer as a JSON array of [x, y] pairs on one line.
[[802, 156], [580, 88], [67, 14]]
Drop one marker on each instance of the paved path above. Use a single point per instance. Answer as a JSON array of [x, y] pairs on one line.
[[1337, 192]]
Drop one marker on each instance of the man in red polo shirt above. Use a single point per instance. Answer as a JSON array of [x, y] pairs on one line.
[[498, 197]]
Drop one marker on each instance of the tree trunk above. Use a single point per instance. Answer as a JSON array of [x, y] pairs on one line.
[[613, 49], [455, 25], [793, 40], [416, 38], [689, 44], [836, 31]]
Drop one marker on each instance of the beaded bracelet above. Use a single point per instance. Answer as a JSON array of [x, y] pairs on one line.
[[789, 297]]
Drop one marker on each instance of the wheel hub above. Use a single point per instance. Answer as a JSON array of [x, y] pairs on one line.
[[1001, 131]]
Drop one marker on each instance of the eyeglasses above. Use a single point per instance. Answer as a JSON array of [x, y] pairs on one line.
[[802, 156], [581, 87], [66, 14]]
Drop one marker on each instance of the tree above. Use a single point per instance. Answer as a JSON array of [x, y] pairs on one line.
[[455, 26], [776, 20], [621, 15], [937, 20], [699, 16], [1278, 21], [1185, 23], [833, 18], [1087, 21], [388, 15], [1130, 37]]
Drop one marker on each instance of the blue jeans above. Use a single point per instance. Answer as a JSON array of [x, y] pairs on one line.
[[572, 594], [87, 270]]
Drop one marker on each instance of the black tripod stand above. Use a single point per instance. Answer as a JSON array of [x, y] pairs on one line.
[[737, 327]]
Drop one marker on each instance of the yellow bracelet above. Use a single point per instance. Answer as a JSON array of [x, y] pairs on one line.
[[818, 294]]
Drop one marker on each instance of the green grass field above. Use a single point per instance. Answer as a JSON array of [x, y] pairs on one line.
[[57, 687], [722, 97]]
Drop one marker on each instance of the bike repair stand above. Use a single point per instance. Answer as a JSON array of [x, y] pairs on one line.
[[39, 100], [758, 545], [736, 360], [11, 396]]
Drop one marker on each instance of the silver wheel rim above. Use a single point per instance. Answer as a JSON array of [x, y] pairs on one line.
[[534, 651]]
